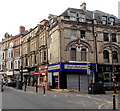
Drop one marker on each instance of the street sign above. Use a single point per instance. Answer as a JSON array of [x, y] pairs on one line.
[[36, 73]]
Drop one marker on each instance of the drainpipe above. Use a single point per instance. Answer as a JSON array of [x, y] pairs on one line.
[[95, 41]]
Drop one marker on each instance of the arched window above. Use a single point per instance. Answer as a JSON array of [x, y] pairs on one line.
[[106, 56], [83, 54], [114, 56], [73, 54]]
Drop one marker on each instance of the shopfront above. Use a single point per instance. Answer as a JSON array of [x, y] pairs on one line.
[[69, 76], [105, 75], [42, 75]]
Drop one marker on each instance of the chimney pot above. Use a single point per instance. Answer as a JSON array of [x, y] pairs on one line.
[[21, 29], [83, 6]]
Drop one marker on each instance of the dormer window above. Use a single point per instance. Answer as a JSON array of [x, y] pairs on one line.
[[73, 16], [104, 20], [112, 21], [81, 17]]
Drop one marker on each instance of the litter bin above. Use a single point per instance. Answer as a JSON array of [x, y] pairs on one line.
[[19, 85], [96, 88]]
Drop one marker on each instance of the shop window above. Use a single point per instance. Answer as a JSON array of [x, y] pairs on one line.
[[105, 37], [107, 77], [115, 57], [106, 56], [84, 54], [113, 37], [82, 32], [73, 54]]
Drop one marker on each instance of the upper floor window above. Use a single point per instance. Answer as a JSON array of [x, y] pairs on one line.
[[106, 56], [104, 20], [82, 32], [35, 59], [73, 16], [83, 54], [114, 37], [73, 54], [26, 61], [105, 37], [73, 33], [44, 56], [115, 56], [112, 21], [81, 17]]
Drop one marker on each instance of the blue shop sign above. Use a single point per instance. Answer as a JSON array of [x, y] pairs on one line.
[[69, 67]]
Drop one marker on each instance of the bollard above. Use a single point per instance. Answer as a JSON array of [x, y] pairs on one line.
[[114, 102], [43, 89], [36, 87]]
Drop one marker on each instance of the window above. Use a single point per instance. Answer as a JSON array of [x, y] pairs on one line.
[[35, 61], [104, 20], [11, 53], [26, 60], [83, 54], [44, 55], [115, 57], [11, 65], [81, 17], [112, 21], [73, 16], [113, 37], [106, 56], [73, 54], [73, 33], [105, 37], [82, 32]]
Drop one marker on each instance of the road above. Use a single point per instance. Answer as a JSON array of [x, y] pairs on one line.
[[18, 99]]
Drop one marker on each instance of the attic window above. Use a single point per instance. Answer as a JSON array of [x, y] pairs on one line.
[[81, 17], [104, 20], [73, 16], [112, 21]]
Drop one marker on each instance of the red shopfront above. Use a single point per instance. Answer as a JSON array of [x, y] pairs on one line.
[[42, 75]]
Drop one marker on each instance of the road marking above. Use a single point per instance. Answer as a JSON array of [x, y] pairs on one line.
[[101, 106], [79, 102]]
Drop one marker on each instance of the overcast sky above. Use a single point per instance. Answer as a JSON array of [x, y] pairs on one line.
[[28, 13]]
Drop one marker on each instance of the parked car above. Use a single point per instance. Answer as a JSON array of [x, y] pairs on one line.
[[11, 83]]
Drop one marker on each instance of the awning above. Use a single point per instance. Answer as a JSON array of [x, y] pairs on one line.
[[2, 73], [16, 72], [9, 73]]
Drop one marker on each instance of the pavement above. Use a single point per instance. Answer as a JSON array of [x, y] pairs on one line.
[[32, 89]]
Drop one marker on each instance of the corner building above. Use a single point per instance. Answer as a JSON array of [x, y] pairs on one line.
[[77, 38]]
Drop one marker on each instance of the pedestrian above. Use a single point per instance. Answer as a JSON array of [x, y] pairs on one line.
[[2, 85]]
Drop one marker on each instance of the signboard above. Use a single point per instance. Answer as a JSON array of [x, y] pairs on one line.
[[9, 73], [70, 67]]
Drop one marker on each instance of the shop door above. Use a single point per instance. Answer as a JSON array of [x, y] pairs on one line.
[[83, 82], [72, 81]]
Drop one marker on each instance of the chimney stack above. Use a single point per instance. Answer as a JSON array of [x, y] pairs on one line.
[[21, 29], [83, 6]]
